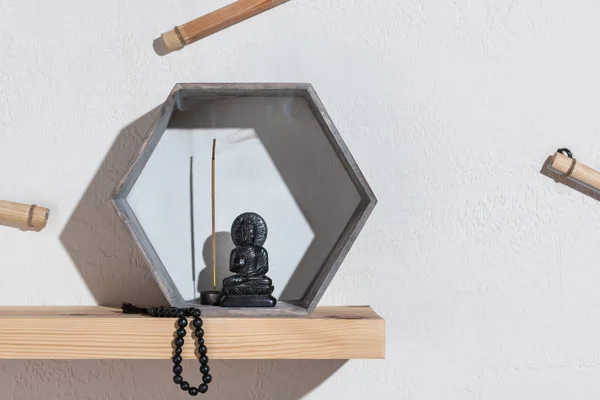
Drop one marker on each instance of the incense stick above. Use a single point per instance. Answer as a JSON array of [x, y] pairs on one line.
[[214, 237], [192, 223]]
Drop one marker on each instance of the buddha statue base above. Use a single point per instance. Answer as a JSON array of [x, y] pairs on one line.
[[248, 301]]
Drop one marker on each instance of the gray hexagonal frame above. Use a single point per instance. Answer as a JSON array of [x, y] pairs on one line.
[[345, 241]]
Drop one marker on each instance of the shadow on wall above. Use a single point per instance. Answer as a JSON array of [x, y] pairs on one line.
[[115, 270], [96, 239], [152, 379], [224, 246], [108, 258]]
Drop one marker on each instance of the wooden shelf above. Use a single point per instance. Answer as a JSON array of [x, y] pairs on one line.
[[107, 333]]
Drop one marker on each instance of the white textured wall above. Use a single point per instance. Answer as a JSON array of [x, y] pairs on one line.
[[486, 271]]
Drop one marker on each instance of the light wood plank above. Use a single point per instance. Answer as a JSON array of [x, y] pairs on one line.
[[106, 333]]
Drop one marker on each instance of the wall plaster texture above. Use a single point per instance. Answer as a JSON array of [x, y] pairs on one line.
[[485, 271]]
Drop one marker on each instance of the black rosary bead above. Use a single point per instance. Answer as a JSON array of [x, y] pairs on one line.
[[179, 341]]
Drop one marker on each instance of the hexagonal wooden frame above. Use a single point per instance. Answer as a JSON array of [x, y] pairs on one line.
[[333, 261]]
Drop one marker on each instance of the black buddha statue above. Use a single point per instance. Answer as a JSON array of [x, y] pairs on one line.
[[249, 261]]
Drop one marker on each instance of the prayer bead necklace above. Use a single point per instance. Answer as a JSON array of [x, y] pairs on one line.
[[180, 332]]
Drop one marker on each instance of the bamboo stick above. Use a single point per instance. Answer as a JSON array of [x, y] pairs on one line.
[[215, 21], [23, 216], [581, 172]]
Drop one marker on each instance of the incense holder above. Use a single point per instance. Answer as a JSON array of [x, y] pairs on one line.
[[210, 298], [249, 261]]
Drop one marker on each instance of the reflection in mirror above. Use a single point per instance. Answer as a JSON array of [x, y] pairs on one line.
[[273, 159]]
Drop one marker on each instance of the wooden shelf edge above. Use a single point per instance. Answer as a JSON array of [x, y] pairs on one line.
[[106, 333]]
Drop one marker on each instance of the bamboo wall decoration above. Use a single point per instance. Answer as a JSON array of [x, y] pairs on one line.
[[570, 168], [214, 22], [27, 217]]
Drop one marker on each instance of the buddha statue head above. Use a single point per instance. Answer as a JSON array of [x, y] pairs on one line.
[[249, 229]]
